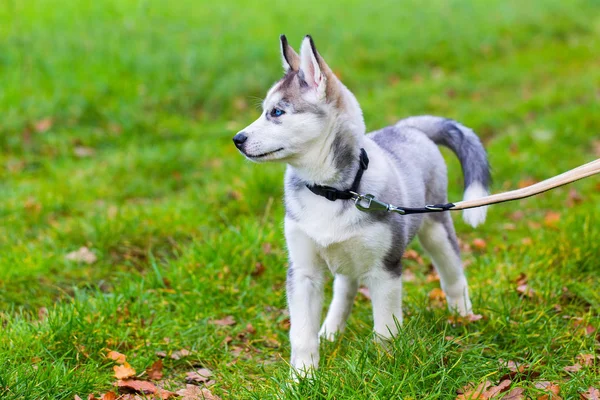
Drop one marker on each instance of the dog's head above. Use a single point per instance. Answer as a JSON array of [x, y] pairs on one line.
[[299, 110]]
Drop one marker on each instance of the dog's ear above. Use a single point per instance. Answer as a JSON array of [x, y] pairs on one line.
[[315, 71], [289, 58]]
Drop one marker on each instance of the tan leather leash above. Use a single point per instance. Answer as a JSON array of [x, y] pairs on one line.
[[367, 202]]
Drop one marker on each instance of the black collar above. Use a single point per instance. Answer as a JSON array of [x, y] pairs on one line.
[[333, 194]]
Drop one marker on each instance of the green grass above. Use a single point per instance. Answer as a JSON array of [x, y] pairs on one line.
[[178, 220]]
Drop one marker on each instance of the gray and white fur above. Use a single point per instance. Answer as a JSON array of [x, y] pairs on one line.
[[312, 122]]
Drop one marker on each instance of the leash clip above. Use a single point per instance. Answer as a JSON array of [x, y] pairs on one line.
[[368, 202]]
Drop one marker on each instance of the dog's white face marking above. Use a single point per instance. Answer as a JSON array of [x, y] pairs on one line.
[[292, 120]]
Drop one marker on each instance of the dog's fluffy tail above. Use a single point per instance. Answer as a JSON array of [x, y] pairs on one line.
[[473, 158]]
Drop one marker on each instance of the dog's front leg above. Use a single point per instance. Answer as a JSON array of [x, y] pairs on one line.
[[385, 289], [305, 300]]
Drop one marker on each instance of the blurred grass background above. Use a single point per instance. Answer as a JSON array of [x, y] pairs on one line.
[[115, 134]]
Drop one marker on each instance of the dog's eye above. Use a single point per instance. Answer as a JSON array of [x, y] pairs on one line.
[[277, 112]]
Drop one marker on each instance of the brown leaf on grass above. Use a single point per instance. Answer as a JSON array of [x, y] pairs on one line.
[[193, 392], [116, 357], [83, 151], [579, 324], [526, 241], [521, 279], [517, 215], [586, 359], [472, 393], [432, 277], [259, 269], [135, 386], [518, 371], [591, 394], [365, 292], [227, 321], [178, 355], [573, 198], [124, 371], [155, 370], [525, 291], [551, 219], [479, 244], [108, 396], [464, 320], [534, 225], [408, 276], [526, 182], [43, 125], [250, 329], [496, 390], [437, 298], [515, 394], [201, 375], [161, 354], [596, 147], [572, 368], [267, 248], [78, 398], [548, 387], [413, 255], [82, 255]]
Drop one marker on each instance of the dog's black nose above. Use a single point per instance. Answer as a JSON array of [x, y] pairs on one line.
[[239, 139]]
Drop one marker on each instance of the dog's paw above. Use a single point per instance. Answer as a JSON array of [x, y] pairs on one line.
[[329, 334]]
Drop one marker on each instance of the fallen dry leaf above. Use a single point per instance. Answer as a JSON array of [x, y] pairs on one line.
[[496, 390], [573, 368], [124, 371], [551, 219], [573, 198], [517, 215], [437, 298], [250, 329], [413, 255], [83, 151], [155, 370], [523, 183], [515, 394], [142, 387], [586, 359], [432, 277], [365, 292], [525, 291], [408, 276], [228, 320], [177, 355], [116, 357], [526, 241], [591, 394], [82, 255], [108, 396], [467, 319], [193, 392], [470, 393], [201, 375], [43, 125], [596, 147], [259, 269], [479, 244], [548, 387], [78, 398]]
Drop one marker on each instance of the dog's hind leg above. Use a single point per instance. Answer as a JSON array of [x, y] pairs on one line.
[[438, 238], [344, 291]]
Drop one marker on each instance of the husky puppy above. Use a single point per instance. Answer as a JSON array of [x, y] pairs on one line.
[[312, 122]]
